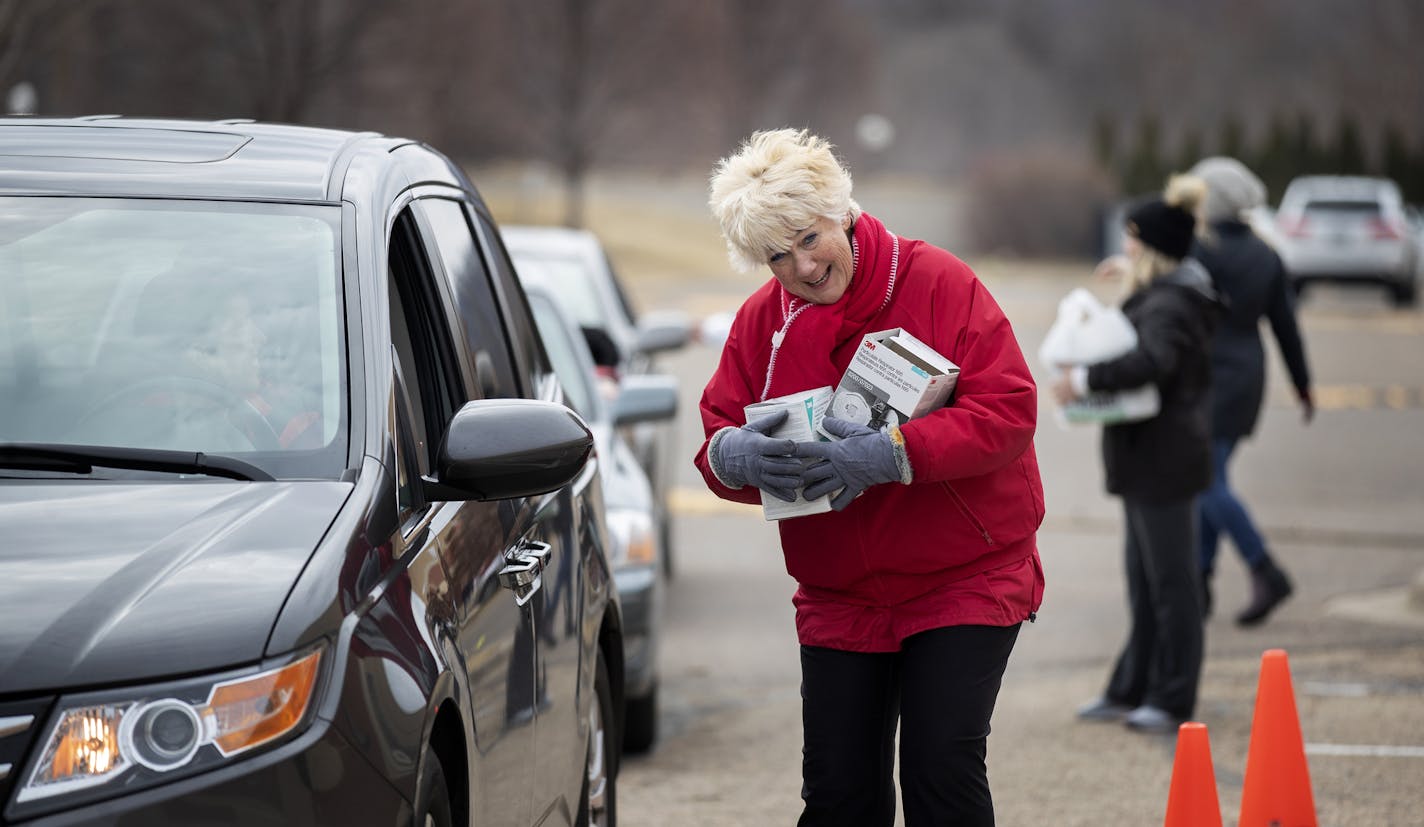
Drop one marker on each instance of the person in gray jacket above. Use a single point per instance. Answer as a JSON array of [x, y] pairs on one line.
[[1250, 276]]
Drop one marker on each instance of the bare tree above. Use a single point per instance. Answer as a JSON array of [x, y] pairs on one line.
[[599, 83], [796, 63], [583, 64], [289, 49], [625, 80], [31, 32]]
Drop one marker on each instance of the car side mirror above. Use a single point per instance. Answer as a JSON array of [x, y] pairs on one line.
[[661, 330], [497, 449], [648, 398], [714, 329]]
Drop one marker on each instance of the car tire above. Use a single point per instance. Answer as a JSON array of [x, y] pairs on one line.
[[1404, 294], [640, 723], [432, 807], [598, 802]]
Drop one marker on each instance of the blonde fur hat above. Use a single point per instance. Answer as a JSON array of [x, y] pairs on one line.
[[775, 185]]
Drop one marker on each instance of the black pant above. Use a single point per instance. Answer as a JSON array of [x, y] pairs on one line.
[[1160, 664], [942, 685]]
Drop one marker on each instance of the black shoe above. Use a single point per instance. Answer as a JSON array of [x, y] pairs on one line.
[[1269, 587]]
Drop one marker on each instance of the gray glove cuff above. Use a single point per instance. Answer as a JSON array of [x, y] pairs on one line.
[[902, 458], [715, 462]]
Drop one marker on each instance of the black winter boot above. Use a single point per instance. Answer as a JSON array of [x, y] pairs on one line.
[[1269, 586]]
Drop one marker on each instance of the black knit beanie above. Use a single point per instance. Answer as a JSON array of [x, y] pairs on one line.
[[1166, 229]]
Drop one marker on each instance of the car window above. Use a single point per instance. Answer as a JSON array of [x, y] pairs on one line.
[[573, 372], [1343, 209], [481, 323], [424, 355], [184, 325], [528, 345]]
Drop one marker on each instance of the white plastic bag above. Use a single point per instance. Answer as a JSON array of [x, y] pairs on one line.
[[1086, 332]]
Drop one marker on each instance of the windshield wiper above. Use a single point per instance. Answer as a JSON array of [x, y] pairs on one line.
[[81, 459]]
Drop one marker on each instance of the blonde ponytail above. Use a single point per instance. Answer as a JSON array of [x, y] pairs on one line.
[[1186, 192]]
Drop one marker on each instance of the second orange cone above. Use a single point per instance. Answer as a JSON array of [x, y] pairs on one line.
[[1276, 789], [1192, 801]]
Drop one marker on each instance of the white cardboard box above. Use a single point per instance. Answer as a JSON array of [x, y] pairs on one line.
[[801, 425], [892, 379]]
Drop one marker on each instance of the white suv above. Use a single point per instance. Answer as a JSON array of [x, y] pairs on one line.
[[1348, 229]]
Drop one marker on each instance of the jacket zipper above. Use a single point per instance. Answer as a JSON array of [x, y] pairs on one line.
[[968, 515]]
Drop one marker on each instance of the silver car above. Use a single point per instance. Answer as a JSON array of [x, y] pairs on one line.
[[574, 268], [1348, 229], [630, 507]]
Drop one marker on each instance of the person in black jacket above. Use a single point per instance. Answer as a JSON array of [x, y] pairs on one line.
[[1159, 465], [1249, 274]]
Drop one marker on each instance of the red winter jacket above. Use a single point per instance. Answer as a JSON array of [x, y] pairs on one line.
[[957, 545]]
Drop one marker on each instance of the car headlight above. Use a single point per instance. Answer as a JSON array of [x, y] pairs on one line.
[[102, 744], [633, 537]]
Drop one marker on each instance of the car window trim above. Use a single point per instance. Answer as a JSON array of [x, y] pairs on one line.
[[432, 313], [355, 339]]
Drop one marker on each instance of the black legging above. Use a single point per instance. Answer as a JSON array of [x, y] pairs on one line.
[[942, 685], [1160, 664]]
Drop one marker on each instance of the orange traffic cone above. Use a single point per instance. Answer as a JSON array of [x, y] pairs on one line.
[[1276, 791], [1192, 800]]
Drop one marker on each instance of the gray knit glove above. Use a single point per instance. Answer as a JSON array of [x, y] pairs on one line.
[[862, 457], [747, 456]]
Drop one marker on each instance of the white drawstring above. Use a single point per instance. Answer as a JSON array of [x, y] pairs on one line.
[[776, 339]]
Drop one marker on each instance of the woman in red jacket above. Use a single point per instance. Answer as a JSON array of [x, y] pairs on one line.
[[912, 590]]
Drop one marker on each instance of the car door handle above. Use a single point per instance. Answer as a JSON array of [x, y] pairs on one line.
[[524, 569]]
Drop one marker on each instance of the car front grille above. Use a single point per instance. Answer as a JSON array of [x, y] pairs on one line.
[[20, 722]]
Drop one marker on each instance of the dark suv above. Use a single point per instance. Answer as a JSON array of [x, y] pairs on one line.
[[294, 528]]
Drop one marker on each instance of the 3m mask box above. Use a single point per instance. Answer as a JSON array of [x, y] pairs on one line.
[[892, 379], [804, 413]]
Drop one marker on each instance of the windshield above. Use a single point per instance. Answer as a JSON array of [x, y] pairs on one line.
[[571, 285], [563, 355], [179, 325]]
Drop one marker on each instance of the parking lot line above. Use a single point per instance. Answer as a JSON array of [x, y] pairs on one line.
[[1364, 751]]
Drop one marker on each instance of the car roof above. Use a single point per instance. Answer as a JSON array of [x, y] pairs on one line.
[[153, 157], [549, 240]]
